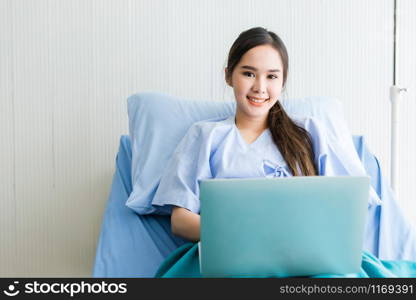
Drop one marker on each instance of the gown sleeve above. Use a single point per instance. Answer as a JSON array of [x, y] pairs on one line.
[[179, 185], [389, 234], [335, 154]]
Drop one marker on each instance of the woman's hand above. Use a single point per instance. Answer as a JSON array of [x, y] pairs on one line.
[[185, 223]]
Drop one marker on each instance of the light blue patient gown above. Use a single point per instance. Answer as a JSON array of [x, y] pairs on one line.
[[216, 149]]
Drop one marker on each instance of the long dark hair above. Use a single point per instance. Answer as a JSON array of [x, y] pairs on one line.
[[293, 141]]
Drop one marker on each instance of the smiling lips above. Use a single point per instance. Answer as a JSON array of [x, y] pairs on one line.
[[256, 101]]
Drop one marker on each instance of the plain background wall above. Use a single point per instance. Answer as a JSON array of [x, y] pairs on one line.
[[68, 66], [406, 77]]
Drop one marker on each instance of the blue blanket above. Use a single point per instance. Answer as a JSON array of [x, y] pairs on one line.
[[184, 263]]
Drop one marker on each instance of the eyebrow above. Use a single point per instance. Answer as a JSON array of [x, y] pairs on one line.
[[254, 69]]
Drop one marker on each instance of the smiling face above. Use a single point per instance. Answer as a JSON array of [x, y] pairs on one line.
[[257, 82]]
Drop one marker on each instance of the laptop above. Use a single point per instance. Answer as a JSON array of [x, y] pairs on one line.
[[282, 227]]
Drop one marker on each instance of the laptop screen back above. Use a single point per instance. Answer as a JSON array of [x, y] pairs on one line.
[[280, 227]]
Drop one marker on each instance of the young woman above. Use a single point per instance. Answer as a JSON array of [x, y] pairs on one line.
[[261, 140]]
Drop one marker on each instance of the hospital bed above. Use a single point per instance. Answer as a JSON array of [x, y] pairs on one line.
[[134, 245], [130, 245]]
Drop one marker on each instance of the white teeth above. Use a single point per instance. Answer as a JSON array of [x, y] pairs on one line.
[[257, 101]]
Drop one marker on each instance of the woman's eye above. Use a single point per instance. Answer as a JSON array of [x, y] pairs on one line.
[[249, 74]]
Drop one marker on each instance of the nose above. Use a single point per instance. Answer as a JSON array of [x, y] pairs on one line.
[[259, 86]]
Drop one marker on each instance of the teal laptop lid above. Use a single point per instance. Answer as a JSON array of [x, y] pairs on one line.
[[282, 227]]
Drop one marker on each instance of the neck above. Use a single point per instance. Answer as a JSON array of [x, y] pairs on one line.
[[252, 124]]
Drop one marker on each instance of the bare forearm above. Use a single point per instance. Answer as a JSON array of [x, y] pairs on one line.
[[185, 224]]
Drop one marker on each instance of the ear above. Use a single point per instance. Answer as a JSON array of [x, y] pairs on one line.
[[227, 80]]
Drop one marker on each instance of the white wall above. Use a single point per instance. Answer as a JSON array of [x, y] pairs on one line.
[[67, 68], [406, 77]]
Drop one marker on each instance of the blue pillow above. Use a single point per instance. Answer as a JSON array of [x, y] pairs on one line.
[[157, 123]]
